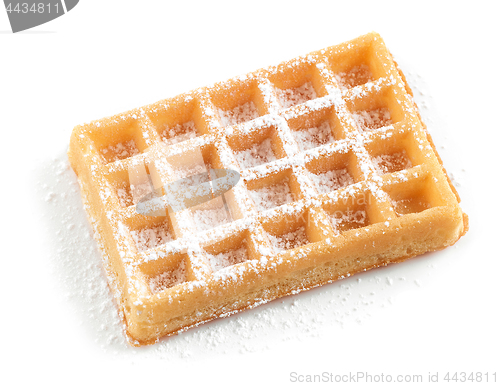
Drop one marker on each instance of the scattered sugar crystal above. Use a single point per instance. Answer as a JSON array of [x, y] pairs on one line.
[[293, 96], [226, 259], [390, 163], [372, 119], [205, 219], [271, 196], [290, 240], [168, 278], [258, 154], [313, 136], [179, 133], [147, 238], [239, 114], [332, 180], [354, 77], [119, 151]]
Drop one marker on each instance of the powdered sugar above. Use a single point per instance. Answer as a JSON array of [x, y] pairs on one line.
[[119, 151], [356, 76], [190, 170], [141, 190], [152, 237], [168, 278], [197, 173], [331, 180], [293, 96], [390, 163], [258, 154], [124, 195], [372, 119], [179, 133], [239, 114], [290, 240], [314, 136], [228, 258], [271, 196], [205, 219]]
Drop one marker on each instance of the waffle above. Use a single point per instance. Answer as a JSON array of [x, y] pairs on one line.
[[338, 175]]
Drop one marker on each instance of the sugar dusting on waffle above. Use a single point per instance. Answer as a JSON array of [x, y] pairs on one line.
[[226, 259], [124, 195], [272, 196], [347, 302], [372, 119], [356, 76], [168, 278], [205, 219], [120, 151], [239, 114], [331, 180], [294, 96], [282, 152], [259, 159], [315, 136], [289, 240], [257, 154], [179, 133], [148, 238]]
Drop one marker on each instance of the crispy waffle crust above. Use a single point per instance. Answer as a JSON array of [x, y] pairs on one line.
[[339, 175]]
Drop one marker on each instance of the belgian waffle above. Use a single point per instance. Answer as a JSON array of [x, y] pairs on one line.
[[338, 175]]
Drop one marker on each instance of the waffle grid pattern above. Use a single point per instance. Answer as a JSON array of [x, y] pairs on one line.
[[395, 181]]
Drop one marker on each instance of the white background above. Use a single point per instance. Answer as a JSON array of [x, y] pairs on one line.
[[435, 313]]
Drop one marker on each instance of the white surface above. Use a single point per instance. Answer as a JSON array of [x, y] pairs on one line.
[[435, 313]]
